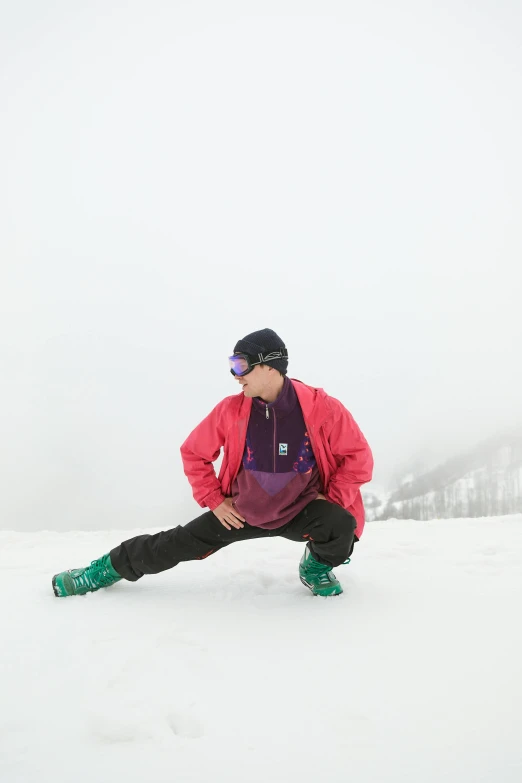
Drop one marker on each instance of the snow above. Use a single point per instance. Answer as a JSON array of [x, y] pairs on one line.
[[229, 670]]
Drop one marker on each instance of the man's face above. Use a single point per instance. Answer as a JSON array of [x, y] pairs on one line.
[[257, 381]]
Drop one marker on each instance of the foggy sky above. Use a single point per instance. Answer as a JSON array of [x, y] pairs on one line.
[[176, 175]]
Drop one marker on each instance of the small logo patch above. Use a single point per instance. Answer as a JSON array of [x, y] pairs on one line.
[[283, 449]]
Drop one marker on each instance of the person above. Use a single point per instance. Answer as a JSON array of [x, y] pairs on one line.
[[293, 463]]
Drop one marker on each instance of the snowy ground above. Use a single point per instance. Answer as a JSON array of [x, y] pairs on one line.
[[230, 670]]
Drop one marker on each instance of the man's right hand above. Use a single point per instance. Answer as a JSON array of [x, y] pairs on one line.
[[227, 515]]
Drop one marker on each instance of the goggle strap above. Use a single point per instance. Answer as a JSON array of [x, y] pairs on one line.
[[281, 354]]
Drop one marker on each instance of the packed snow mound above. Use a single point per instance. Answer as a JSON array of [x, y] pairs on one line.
[[230, 670]]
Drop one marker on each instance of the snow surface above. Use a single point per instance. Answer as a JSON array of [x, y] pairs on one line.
[[230, 670]]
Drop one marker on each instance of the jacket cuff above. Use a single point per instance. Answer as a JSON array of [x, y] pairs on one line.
[[213, 500]]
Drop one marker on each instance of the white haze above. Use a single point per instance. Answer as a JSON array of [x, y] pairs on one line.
[[175, 175]]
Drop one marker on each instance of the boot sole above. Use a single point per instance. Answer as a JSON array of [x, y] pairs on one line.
[[318, 595], [55, 588]]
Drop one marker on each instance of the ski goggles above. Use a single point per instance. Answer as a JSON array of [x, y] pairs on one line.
[[243, 363]]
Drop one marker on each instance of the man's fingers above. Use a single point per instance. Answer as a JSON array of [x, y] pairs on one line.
[[237, 514], [230, 520], [229, 516]]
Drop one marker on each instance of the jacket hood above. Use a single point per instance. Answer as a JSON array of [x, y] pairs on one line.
[[314, 401]]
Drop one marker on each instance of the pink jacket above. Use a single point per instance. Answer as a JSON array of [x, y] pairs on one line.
[[343, 456]]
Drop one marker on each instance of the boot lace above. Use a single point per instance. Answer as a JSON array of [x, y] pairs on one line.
[[318, 570], [97, 574], [321, 571]]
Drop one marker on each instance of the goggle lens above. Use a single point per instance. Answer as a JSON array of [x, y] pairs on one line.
[[239, 365]]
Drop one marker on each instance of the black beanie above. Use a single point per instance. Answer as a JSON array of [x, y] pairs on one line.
[[264, 341]]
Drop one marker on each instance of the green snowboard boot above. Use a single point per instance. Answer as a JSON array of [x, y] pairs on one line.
[[79, 581], [317, 576]]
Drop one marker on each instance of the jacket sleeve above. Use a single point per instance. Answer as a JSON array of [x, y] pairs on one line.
[[352, 454], [199, 451]]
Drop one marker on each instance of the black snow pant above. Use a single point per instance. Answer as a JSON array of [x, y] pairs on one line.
[[328, 529]]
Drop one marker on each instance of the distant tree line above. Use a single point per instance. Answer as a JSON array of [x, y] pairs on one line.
[[484, 482]]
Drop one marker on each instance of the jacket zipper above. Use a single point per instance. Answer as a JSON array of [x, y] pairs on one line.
[[268, 416], [274, 442]]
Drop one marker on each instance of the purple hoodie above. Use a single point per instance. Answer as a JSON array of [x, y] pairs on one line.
[[278, 476]]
